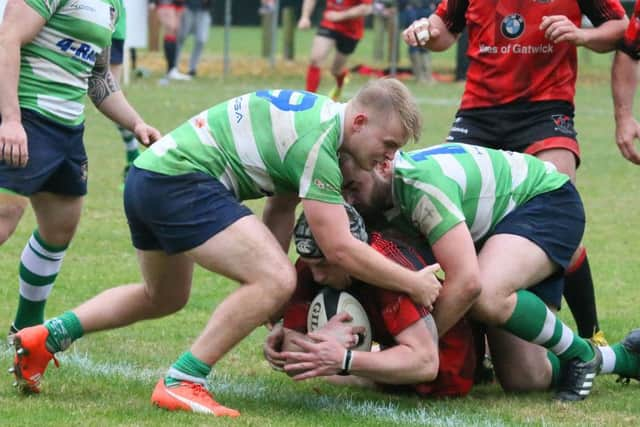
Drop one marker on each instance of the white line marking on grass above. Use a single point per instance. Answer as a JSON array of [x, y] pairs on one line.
[[255, 389]]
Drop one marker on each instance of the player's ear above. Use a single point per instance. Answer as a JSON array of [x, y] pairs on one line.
[[359, 121], [384, 168]]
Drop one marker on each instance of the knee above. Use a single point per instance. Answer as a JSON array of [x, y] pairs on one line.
[[9, 218], [524, 381], [491, 309], [281, 281], [165, 304]]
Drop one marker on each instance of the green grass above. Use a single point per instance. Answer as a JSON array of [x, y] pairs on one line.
[[107, 378]]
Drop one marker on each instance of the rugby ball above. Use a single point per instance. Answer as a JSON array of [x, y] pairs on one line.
[[330, 302]]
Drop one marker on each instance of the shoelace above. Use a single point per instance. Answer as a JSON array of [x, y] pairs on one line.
[[199, 390]]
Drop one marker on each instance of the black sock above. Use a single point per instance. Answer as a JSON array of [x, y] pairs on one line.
[[581, 298], [170, 51]]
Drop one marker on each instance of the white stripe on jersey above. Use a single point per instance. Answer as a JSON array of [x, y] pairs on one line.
[[48, 38], [52, 5], [439, 195], [519, 168], [284, 126], [310, 165], [519, 172], [200, 125], [452, 169], [94, 11], [329, 110], [165, 144], [245, 143], [68, 110], [228, 179], [487, 196], [50, 71]]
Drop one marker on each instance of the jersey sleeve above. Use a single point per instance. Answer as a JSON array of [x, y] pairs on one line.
[[434, 208], [120, 32], [452, 13], [316, 171], [45, 8], [630, 44], [601, 11]]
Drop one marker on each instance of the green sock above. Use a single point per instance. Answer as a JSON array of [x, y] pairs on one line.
[[532, 321], [189, 368], [616, 359], [63, 330], [557, 367], [131, 144], [40, 263]]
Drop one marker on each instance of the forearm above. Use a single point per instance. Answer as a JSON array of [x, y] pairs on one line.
[[307, 8], [399, 364], [370, 266], [117, 108], [605, 37], [279, 217], [356, 12], [452, 304], [10, 71], [624, 81]]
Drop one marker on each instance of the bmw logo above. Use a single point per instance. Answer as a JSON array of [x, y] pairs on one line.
[[512, 26]]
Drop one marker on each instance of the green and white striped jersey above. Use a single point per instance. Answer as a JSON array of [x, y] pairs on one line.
[[259, 144], [438, 187], [55, 66]]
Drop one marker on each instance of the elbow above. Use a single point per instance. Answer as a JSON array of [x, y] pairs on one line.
[[336, 253], [470, 287], [428, 367]]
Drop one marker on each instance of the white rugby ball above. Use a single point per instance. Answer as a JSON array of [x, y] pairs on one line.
[[330, 302]]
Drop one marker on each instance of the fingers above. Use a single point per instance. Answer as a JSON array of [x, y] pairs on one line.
[[342, 317], [432, 268], [418, 33], [549, 20]]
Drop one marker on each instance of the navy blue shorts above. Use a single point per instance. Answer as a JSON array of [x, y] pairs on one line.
[[345, 45], [57, 159], [524, 127], [117, 52], [555, 222], [177, 213]]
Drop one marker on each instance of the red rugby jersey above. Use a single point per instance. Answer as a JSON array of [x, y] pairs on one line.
[[392, 312], [509, 57], [353, 28], [631, 42]]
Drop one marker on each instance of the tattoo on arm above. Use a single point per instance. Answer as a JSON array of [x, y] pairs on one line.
[[101, 82]]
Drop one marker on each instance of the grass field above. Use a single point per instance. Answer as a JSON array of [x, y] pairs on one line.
[[107, 378]]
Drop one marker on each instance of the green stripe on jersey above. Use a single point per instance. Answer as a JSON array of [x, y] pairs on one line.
[[438, 187], [55, 66], [257, 144]]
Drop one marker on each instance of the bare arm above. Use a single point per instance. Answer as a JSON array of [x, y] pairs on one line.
[[456, 254], [330, 226], [109, 99], [439, 37], [20, 25], [604, 38], [413, 359], [351, 13], [624, 82], [305, 16], [279, 217]]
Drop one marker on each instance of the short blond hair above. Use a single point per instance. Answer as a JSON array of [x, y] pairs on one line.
[[391, 95]]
